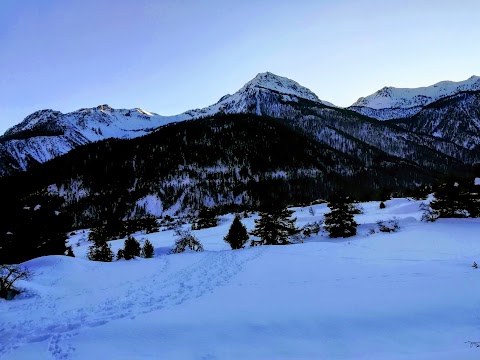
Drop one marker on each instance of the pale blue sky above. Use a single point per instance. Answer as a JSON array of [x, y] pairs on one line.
[[171, 56]]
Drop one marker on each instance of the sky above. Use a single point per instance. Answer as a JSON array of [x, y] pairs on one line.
[[171, 56]]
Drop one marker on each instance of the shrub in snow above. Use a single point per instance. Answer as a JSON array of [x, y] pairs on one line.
[[339, 222], [382, 205], [390, 225], [475, 266], [312, 228], [475, 344], [311, 211], [306, 231], [207, 218], [100, 252], [120, 254], [429, 215], [131, 248], [274, 227], [185, 240], [237, 235], [9, 274], [147, 250]]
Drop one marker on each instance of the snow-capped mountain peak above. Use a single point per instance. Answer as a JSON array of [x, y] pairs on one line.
[[270, 81], [390, 102], [263, 95], [391, 97]]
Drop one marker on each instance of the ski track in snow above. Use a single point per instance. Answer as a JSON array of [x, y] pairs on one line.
[[214, 269]]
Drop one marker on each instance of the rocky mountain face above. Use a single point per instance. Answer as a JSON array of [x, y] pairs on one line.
[[455, 118]]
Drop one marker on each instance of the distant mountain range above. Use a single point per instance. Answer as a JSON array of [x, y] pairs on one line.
[[393, 103], [46, 134], [437, 133]]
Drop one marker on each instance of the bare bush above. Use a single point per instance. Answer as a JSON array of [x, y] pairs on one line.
[[390, 225], [185, 240], [9, 274]]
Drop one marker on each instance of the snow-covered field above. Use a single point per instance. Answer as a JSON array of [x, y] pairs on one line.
[[406, 295]]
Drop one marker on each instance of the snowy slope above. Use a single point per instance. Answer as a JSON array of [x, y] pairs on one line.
[[262, 96], [405, 295], [390, 102], [46, 134]]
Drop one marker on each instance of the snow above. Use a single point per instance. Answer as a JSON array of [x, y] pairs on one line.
[[405, 295], [390, 102], [152, 205], [241, 101], [280, 84]]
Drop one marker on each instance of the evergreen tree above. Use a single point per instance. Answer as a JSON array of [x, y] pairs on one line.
[[120, 254], [274, 226], [100, 252], [70, 251], [147, 249], [472, 199], [131, 248], [33, 227], [149, 224], [237, 235], [451, 201], [98, 235], [207, 218], [339, 222]]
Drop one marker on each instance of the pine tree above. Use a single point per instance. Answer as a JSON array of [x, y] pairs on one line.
[[98, 235], [120, 254], [147, 249], [149, 224], [100, 252], [339, 222], [70, 251], [471, 199], [35, 227], [450, 201], [207, 218], [237, 235], [274, 226], [131, 248]]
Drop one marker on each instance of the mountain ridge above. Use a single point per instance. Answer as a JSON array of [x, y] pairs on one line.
[[46, 134], [390, 102]]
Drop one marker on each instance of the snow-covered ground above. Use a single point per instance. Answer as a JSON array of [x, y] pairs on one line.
[[406, 295]]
